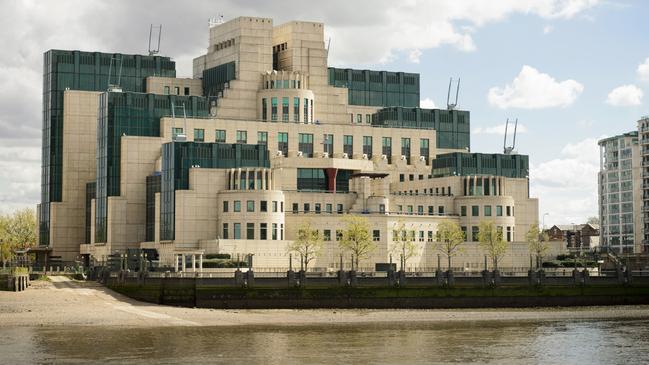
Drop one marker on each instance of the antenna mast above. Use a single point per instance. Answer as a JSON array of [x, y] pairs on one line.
[[510, 150], [449, 105]]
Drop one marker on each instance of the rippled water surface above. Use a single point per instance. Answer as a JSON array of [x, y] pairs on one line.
[[565, 342]]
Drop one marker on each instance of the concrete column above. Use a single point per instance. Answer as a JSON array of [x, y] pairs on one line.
[[263, 179], [248, 179], [466, 185], [184, 262], [175, 262], [271, 180], [200, 263], [194, 262]]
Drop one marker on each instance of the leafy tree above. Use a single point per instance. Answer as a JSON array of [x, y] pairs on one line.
[[450, 239], [356, 237], [17, 231], [403, 241], [490, 239], [308, 244], [538, 243], [593, 220]]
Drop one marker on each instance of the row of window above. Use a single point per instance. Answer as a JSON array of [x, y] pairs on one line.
[[420, 209], [508, 236], [359, 118], [276, 231], [318, 208], [283, 84], [307, 105], [167, 90], [487, 211], [251, 206], [431, 191]]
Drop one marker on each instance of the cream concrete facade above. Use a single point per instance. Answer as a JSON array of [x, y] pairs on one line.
[[285, 62]]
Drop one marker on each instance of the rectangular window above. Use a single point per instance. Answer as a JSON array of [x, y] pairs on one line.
[[381, 208], [487, 210], [274, 232], [339, 208], [386, 148], [306, 111], [175, 132], [199, 135], [225, 231], [326, 235], [311, 111], [237, 231], [282, 143], [264, 109], [250, 206], [339, 235], [250, 231], [474, 233], [262, 138], [410, 209], [186, 91], [225, 206], [509, 234], [376, 235], [177, 90], [424, 150], [368, 118], [274, 206], [348, 145], [509, 211], [166, 90], [367, 146], [263, 206], [329, 208], [440, 210], [420, 210], [317, 208], [475, 210], [296, 208], [285, 109], [430, 236], [263, 231], [220, 136], [359, 118], [431, 210], [296, 109], [421, 236], [463, 211], [328, 144], [499, 210], [305, 144], [237, 206], [281, 207], [242, 136], [307, 207], [405, 148], [273, 109]]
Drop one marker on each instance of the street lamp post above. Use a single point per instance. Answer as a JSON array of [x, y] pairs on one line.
[[544, 214]]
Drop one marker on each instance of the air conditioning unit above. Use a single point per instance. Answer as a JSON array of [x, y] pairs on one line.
[[279, 154], [422, 158], [325, 155], [300, 154], [384, 157], [365, 156], [345, 155], [403, 158]]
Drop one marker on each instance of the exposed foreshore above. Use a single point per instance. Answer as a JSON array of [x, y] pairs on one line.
[[63, 302]]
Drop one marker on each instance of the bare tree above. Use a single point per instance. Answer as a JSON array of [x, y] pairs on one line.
[[308, 243], [538, 243], [490, 239], [450, 239], [356, 237]]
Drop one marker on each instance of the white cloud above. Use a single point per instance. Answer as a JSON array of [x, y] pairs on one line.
[[414, 55], [500, 129], [532, 89], [427, 103], [585, 123], [547, 29], [625, 95], [643, 70], [567, 186]]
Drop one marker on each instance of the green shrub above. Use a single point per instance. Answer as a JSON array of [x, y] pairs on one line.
[[549, 264], [218, 264]]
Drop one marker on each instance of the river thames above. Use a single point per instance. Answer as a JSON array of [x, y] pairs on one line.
[[496, 342]]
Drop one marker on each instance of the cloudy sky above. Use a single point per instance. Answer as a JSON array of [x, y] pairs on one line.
[[571, 71]]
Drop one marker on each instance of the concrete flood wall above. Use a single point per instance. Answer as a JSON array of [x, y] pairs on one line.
[[246, 291]]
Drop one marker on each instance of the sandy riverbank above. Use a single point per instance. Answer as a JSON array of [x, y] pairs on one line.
[[63, 302]]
